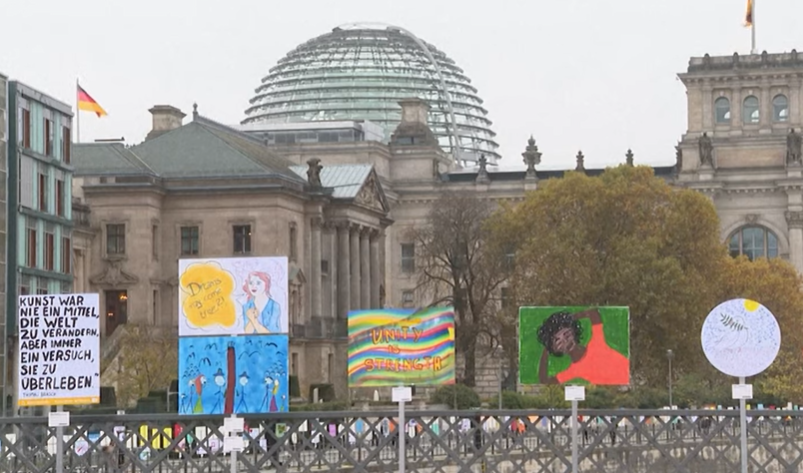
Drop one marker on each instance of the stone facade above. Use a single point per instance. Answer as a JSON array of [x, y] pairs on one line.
[[749, 109], [353, 251]]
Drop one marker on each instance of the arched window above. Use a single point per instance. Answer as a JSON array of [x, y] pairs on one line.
[[780, 108], [754, 242], [750, 112], [722, 110]]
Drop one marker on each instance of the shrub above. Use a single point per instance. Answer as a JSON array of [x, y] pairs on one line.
[[295, 389], [464, 396], [326, 392]]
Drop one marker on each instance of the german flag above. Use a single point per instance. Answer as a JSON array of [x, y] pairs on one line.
[[748, 15], [87, 103]]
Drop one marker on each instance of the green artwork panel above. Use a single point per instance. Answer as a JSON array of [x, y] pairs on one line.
[[574, 345]]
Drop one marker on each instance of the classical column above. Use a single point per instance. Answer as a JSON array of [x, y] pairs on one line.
[[365, 269], [315, 267], [355, 268], [376, 279], [343, 271], [795, 223]]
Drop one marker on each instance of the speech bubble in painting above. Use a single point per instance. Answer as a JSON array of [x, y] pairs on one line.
[[206, 295], [741, 338]]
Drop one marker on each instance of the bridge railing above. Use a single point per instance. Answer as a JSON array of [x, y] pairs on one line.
[[436, 441]]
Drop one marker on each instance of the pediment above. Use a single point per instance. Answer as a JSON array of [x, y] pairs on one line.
[[113, 275], [371, 195]]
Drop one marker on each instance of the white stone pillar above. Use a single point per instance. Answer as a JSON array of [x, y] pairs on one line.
[[365, 269], [315, 267], [794, 220], [343, 271], [376, 279], [355, 267]]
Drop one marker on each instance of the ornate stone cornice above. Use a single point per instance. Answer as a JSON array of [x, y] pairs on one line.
[[114, 276]]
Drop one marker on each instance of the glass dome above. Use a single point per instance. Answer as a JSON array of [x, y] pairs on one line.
[[360, 72]]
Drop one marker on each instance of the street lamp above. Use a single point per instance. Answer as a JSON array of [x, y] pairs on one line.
[[669, 355]]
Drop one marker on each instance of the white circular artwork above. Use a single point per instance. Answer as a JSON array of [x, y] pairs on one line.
[[741, 338]]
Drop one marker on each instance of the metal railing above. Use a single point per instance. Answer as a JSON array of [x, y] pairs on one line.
[[436, 442]]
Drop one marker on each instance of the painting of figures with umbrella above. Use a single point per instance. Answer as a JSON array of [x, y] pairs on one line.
[[233, 375]]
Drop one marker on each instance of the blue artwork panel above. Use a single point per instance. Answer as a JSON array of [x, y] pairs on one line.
[[233, 375]]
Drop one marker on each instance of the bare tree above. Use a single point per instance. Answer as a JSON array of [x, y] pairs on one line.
[[456, 266]]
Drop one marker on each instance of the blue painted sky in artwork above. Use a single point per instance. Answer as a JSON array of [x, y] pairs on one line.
[[260, 375]]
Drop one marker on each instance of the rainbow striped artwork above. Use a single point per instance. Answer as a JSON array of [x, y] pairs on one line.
[[394, 347]]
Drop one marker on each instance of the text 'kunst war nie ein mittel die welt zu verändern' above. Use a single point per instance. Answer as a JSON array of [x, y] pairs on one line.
[[58, 344]]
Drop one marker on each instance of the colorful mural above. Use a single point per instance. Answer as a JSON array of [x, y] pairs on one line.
[[233, 296], [393, 347], [226, 374], [574, 345]]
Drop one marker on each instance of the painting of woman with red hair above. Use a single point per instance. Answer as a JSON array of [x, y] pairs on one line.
[[261, 313]]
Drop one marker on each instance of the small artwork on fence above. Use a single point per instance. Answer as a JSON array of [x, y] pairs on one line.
[[574, 345]]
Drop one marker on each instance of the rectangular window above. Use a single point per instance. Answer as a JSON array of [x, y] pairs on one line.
[[42, 192], [189, 241], [293, 242], [25, 285], [41, 290], [66, 144], [49, 132], [242, 239], [66, 256], [505, 297], [408, 298], [510, 258], [155, 242], [26, 128], [50, 251], [294, 364], [32, 237], [408, 257], [60, 198], [325, 267], [156, 305], [115, 239]]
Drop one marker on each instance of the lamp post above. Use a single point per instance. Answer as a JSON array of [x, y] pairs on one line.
[[669, 355]]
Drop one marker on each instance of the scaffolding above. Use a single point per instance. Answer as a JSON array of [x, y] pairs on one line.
[[360, 72]]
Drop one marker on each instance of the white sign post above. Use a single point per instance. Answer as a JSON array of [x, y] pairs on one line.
[[574, 394], [59, 356], [741, 338], [233, 441], [402, 394]]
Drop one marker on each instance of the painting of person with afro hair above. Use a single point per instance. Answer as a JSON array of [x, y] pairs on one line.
[[574, 345]]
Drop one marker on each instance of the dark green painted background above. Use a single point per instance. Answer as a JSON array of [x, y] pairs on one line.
[[615, 326]]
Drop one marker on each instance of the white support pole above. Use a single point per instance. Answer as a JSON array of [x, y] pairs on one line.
[[575, 439], [59, 445], [743, 428], [402, 436]]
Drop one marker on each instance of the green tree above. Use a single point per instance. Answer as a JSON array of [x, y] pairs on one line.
[[774, 283], [624, 238], [456, 266], [147, 361]]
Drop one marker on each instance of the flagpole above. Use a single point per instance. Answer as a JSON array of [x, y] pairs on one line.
[[77, 113], [753, 49]]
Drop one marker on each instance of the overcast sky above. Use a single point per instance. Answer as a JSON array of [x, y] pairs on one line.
[[578, 74]]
